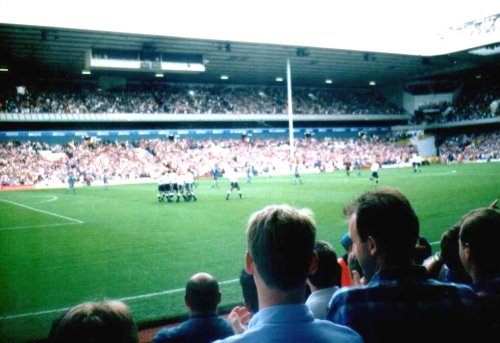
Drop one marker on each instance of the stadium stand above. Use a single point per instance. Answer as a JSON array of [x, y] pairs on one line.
[[197, 99]]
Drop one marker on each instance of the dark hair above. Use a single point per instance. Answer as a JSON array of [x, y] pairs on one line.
[[480, 229], [249, 291], [353, 264], [451, 257], [281, 243], [202, 293], [328, 272], [422, 250], [387, 216], [95, 322]]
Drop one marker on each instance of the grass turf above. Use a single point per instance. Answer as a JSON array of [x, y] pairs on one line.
[[59, 249]]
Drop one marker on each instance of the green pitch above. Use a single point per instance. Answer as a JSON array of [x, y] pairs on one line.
[[59, 249]]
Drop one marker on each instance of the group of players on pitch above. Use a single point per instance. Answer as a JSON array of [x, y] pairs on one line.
[[173, 185]]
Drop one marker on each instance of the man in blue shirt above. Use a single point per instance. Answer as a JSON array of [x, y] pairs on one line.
[[400, 303], [280, 256], [204, 325]]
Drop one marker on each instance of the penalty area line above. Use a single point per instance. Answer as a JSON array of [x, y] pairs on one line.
[[42, 211], [135, 297]]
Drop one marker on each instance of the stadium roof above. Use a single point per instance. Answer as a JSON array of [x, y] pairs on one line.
[[249, 41]]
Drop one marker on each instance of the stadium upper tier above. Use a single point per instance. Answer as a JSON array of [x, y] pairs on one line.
[[189, 102], [191, 99]]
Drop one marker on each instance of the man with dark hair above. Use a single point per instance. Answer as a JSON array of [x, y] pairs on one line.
[[240, 315], [250, 297], [400, 302], [445, 265], [325, 281], [204, 325], [280, 256]]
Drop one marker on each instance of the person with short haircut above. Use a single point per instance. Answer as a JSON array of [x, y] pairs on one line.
[[400, 303], [445, 265], [241, 315], [204, 325], [250, 297], [280, 256], [324, 281], [95, 322], [478, 250]]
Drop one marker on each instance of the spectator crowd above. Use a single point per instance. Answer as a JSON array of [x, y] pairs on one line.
[[472, 102], [197, 99], [298, 296], [31, 162]]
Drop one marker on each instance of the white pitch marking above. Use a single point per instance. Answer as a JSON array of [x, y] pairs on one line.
[[35, 226], [42, 211], [172, 291], [51, 198], [141, 296]]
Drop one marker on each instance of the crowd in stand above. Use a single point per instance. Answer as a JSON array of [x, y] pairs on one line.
[[197, 99], [33, 162], [472, 103], [476, 104], [398, 299], [90, 160], [470, 147]]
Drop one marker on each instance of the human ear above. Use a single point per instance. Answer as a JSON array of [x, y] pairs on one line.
[[313, 266], [249, 264], [372, 245]]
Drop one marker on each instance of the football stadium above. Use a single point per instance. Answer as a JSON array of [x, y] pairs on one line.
[[133, 154]]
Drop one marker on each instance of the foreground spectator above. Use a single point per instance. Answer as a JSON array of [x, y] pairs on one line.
[[204, 325], [479, 237], [240, 315], [280, 256], [479, 231], [95, 322], [324, 281], [445, 265], [400, 303]]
